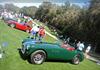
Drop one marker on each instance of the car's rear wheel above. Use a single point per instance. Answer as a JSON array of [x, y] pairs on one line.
[[12, 25], [38, 57], [76, 60]]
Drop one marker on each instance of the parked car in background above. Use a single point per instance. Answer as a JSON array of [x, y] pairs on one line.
[[38, 52], [21, 26]]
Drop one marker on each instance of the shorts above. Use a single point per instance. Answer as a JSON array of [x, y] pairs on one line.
[[33, 32]]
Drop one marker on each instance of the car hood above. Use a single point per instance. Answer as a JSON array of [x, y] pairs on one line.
[[29, 41]]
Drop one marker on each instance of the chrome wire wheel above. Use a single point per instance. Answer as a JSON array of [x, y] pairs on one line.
[[12, 25], [27, 31], [76, 60], [38, 57]]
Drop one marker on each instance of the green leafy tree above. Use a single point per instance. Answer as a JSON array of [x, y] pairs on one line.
[[11, 7], [30, 11], [93, 25]]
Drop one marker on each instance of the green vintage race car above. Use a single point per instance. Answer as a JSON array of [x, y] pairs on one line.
[[41, 51]]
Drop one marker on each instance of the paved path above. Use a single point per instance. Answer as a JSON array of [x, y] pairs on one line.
[[94, 60], [49, 33]]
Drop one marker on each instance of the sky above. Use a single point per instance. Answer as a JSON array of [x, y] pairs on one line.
[[21, 3]]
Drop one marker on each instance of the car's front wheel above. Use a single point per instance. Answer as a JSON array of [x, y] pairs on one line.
[[76, 60], [12, 25], [27, 31], [38, 57]]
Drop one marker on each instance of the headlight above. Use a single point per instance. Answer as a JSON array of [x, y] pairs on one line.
[[27, 46]]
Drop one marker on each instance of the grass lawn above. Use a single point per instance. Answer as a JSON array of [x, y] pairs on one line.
[[13, 61]]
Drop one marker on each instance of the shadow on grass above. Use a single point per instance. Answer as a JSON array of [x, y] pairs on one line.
[[24, 57], [58, 61], [21, 55]]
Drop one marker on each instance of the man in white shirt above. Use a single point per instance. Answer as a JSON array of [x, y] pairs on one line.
[[81, 47], [34, 31]]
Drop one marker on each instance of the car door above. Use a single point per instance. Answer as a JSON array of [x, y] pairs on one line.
[[59, 53], [65, 54], [52, 51]]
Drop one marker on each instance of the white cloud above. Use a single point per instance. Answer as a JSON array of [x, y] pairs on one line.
[[27, 4]]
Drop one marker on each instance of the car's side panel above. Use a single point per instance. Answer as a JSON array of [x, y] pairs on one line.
[[11, 22], [69, 54], [81, 55], [53, 51], [60, 53], [20, 26]]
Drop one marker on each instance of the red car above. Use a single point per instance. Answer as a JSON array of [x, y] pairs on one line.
[[21, 26]]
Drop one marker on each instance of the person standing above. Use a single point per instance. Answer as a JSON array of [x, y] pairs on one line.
[[30, 21], [87, 50], [34, 31], [81, 46], [78, 44], [41, 33], [68, 39], [75, 44], [19, 20]]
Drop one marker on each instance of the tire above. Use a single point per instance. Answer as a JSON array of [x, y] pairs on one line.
[[12, 25], [38, 57], [76, 60], [27, 31]]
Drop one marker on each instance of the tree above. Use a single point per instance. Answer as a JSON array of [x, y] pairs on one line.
[[11, 7], [94, 22], [29, 11], [1, 8]]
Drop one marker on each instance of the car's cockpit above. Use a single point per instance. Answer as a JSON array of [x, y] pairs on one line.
[[67, 47]]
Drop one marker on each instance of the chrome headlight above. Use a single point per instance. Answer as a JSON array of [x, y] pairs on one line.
[[27, 46]]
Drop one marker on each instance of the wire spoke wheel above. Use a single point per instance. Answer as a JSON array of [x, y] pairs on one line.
[[38, 57], [27, 31], [76, 60], [12, 25]]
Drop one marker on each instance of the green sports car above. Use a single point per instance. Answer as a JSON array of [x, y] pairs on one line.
[[41, 51]]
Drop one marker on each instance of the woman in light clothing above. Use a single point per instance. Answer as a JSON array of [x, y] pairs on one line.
[[87, 50]]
